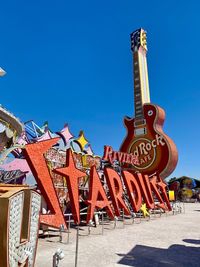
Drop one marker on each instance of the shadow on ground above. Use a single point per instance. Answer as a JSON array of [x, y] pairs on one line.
[[175, 255], [42, 236]]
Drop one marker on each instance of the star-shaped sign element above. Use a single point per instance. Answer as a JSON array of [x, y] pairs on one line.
[[82, 140], [144, 210], [89, 150], [65, 134], [72, 175]]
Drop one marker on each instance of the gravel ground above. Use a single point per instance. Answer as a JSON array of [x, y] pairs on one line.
[[172, 240]]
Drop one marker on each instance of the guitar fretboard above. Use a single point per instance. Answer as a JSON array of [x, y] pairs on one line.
[[141, 83]]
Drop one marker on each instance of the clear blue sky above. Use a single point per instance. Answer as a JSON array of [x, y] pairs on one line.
[[70, 61]]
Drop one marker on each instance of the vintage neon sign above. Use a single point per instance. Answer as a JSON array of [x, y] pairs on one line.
[[72, 175], [145, 150], [34, 154], [19, 225], [145, 137], [140, 188], [11, 176], [110, 155]]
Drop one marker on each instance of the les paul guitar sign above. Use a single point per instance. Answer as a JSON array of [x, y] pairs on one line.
[[156, 152]]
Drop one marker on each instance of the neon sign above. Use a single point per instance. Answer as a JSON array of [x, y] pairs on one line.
[[19, 225], [140, 188], [111, 155], [145, 150]]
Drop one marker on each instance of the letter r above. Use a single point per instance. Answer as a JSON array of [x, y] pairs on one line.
[[107, 151]]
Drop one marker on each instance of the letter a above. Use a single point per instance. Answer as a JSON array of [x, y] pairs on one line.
[[97, 196]]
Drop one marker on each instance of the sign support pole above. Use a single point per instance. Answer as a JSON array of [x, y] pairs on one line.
[[77, 241]]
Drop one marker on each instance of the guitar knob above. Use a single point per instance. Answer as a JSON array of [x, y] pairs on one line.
[[150, 113]]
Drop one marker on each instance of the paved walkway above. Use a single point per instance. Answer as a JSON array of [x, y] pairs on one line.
[[172, 240]]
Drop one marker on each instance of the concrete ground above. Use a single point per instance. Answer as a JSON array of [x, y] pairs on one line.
[[172, 240]]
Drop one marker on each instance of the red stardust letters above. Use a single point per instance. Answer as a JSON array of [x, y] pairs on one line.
[[133, 190], [35, 158], [145, 192], [139, 188], [97, 196], [156, 185], [116, 191]]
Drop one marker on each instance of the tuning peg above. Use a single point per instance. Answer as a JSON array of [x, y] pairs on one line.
[[144, 34]]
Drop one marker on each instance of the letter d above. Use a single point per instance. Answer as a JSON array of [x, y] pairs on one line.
[[135, 152]]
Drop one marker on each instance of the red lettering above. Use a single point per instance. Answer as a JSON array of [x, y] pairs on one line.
[[119, 156], [107, 151], [97, 196], [148, 188], [162, 186], [145, 192], [35, 158], [133, 190], [116, 191], [154, 186]]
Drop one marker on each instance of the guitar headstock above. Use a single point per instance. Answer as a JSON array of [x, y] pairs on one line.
[[138, 39]]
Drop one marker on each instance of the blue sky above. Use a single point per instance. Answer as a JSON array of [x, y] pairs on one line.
[[70, 61]]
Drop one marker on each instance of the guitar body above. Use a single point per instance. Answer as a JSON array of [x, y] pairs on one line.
[[156, 152]]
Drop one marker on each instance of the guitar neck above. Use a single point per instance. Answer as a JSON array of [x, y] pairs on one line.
[[141, 83]]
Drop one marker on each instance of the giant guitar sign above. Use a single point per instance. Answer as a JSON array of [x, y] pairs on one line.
[[145, 138]]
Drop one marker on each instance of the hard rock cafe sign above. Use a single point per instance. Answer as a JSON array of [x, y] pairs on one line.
[[145, 138], [145, 150], [142, 152]]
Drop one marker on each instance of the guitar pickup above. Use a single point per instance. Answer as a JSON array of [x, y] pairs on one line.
[[140, 131], [139, 122]]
